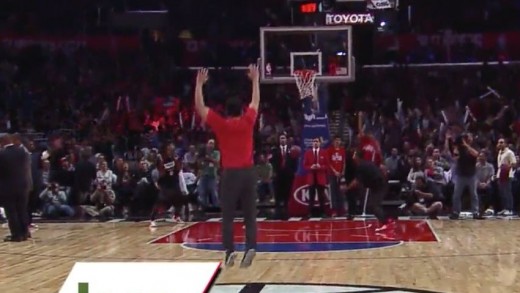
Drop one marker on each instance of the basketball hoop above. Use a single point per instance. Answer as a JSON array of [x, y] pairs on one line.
[[305, 81]]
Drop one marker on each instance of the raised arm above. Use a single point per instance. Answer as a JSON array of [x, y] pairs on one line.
[[255, 96], [361, 123], [470, 149], [200, 107]]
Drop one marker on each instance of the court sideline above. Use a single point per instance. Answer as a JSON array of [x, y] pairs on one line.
[[465, 259]]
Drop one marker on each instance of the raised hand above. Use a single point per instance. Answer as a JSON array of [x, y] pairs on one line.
[[399, 103], [253, 72], [202, 76]]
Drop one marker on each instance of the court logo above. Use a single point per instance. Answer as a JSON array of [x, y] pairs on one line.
[[306, 288], [302, 195]]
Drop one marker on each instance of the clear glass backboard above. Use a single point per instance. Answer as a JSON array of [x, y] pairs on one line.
[[324, 49]]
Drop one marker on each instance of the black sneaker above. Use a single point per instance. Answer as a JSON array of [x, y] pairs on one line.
[[454, 216], [229, 259], [478, 216], [247, 260]]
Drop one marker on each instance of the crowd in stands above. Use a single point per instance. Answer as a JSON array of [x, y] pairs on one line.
[[105, 118], [436, 106], [81, 106], [120, 124]]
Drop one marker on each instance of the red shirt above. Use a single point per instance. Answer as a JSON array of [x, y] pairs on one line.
[[235, 138], [371, 150], [336, 158]]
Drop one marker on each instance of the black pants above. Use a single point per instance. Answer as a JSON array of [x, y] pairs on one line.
[[167, 199], [352, 197], [145, 198], [238, 185], [32, 205], [16, 211], [375, 202], [488, 198], [320, 190], [282, 192]]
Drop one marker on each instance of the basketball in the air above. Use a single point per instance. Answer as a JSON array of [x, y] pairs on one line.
[[295, 151]]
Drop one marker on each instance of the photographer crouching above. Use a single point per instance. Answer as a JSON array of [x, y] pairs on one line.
[[426, 198], [55, 202], [464, 175], [103, 199]]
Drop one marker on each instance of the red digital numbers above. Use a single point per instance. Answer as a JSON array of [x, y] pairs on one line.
[[308, 8]]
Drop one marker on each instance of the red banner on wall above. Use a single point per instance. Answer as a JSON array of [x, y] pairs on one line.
[[506, 42], [193, 51], [102, 42]]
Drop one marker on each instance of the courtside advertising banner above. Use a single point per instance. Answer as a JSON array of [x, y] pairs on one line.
[[332, 19], [315, 124]]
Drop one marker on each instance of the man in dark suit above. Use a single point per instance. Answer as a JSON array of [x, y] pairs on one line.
[[36, 183], [284, 168], [84, 175], [316, 163], [15, 185]]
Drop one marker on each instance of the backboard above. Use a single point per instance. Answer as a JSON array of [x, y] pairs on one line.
[[324, 49]]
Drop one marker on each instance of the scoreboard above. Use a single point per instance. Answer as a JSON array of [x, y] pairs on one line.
[[317, 6], [381, 14], [310, 7]]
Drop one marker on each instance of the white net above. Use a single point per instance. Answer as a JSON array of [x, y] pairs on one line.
[[305, 81]]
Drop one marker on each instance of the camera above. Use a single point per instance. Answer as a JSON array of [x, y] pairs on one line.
[[169, 167], [103, 185], [459, 140], [53, 186]]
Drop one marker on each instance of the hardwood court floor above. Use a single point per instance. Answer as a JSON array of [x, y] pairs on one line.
[[472, 256]]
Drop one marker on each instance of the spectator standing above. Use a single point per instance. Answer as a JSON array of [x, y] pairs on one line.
[[284, 167], [190, 157], [485, 174], [336, 159], [464, 173], [506, 162], [210, 162], [392, 164], [34, 197], [265, 176], [15, 182], [84, 176], [315, 162]]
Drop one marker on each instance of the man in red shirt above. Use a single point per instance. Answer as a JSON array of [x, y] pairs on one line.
[[238, 179], [315, 162], [336, 157], [368, 144], [369, 150]]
